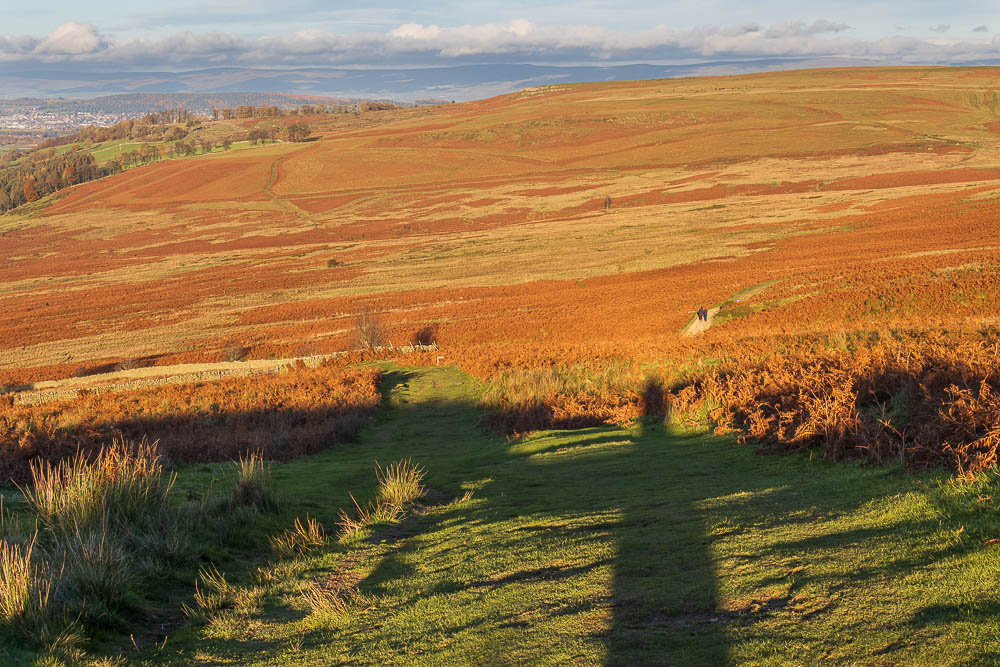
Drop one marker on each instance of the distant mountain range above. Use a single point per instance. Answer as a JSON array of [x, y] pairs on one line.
[[459, 83]]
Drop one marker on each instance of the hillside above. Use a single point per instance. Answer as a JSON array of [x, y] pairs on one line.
[[562, 463], [486, 221]]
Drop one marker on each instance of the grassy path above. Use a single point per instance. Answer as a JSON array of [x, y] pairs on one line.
[[619, 546]]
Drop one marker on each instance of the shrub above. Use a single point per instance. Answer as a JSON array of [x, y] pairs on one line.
[[424, 336], [236, 353]]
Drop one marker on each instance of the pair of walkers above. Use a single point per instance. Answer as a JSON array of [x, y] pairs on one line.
[[703, 314]]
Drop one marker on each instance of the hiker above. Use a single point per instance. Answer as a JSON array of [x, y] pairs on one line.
[[703, 314]]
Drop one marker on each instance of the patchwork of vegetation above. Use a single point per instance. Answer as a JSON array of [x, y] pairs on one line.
[[552, 247]]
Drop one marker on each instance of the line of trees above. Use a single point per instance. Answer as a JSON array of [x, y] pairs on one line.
[[158, 126], [270, 111], [33, 178], [165, 125]]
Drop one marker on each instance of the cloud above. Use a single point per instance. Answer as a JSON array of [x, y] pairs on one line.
[[72, 39], [940, 27], [82, 45], [980, 28], [800, 29]]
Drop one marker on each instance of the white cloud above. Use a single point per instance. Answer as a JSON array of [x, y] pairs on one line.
[[940, 27], [82, 44], [980, 28], [72, 39]]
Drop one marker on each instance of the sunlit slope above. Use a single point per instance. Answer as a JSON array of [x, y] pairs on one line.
[[714, 183]]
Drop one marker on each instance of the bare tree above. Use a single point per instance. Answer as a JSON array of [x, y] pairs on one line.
[[370, 334]]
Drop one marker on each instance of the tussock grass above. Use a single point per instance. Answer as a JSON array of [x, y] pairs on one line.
[[252, 477], [212, 595], [399, 484], [300, 539], [28, 598], [103, 525], [121, 484]]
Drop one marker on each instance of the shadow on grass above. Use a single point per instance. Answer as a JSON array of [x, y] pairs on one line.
[[616, 541]]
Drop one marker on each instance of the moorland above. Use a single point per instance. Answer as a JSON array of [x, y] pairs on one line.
[[493, 428]]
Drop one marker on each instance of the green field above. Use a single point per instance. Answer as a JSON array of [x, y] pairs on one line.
[[109, 150], [641, 545]]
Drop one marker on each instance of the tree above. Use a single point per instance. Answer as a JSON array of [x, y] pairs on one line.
[[30, 193], [150, 153], [296, 132], [370, 335]]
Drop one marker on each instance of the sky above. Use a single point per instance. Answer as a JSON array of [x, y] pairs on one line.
[[113, 35]]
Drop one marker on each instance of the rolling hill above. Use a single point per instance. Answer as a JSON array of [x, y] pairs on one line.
[[486, 220]]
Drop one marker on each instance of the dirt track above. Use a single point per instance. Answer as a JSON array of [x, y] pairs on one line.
[[697, 326]]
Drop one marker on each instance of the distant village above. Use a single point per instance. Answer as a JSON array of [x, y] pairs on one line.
[[22, 127], [38, 120]]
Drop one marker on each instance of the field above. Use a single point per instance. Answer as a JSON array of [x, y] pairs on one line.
[[840, 226]]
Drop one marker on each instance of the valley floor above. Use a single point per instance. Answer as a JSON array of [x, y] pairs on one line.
[[616, 546]]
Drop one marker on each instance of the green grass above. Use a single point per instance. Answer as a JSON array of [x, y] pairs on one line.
[[622, 546], [109, 150]]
